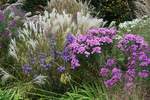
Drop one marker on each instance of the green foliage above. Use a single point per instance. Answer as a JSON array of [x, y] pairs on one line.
[[36, 37], [4, 95], [34, 5], [10, 95], [113, 10], [12, 1], [3, 2], [87, 91]]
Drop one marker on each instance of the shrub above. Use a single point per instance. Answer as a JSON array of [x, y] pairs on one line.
[[131, 60], [113, 10], [34, 5], [135, 64], [38, 48]]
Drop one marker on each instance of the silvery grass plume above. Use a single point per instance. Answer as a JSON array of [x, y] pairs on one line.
[[13, 49], [129, 25], [26, 42], [39, 27], [54, 22], [70, 6], [5, 76], [60, 25], [40, 79]]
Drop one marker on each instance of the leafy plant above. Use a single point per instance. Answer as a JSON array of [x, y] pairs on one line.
[[87, 91], [113, 10], [137, 26]]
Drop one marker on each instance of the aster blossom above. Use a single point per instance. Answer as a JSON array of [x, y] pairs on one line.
[[136, 63], [89, 43]]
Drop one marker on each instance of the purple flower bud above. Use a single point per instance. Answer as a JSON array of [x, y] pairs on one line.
[[144, 74], [104, 72], [46, 66], [111, 82], [70, 38], [61, 69], [27, 68], [96, 50], [116, 73], [110, 62]]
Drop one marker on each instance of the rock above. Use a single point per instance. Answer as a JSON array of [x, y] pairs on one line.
[[140, 7], [15, 9]]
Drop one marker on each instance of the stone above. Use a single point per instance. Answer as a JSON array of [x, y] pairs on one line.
[[15, 9], [140, 7]]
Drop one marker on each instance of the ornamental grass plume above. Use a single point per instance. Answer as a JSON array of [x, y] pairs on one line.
[[69, 6]]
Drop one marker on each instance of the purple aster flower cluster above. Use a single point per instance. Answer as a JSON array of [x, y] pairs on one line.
[[136, 49], [26, 68], [137, 63], [110, 70], [43, 61], [87, 44], [115, 77], [61, 69]]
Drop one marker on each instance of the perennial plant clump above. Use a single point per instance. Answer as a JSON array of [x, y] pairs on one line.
[[88, 44], [8, 30], [67, 48], [136, 63]]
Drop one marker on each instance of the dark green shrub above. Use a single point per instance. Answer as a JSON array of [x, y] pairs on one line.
[[12, 1], [113, 10], [34, 5]]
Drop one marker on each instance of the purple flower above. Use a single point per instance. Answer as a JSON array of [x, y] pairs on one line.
[[111, 82], [104, 72], [144, 63], [70, 38], [81, 50], [66, 54], [32, 61], [46, 66], [75, 63], [92, 42], [42, 59], [132, 43], [143, 56], [82, 37], [61, 69], [87, 44], [110, 62], [144, 74], [27, 68], [2, 17], [130, 75], [96, 50], [116, 73]]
